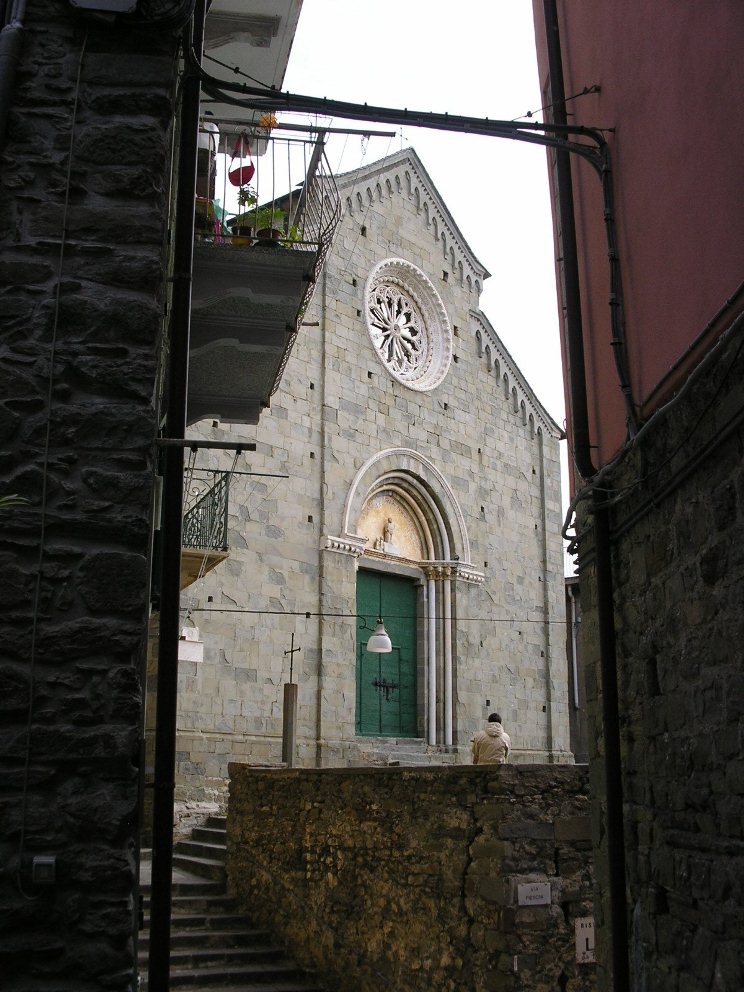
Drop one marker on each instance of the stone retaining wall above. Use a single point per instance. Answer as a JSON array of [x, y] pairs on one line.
[[408, 879]]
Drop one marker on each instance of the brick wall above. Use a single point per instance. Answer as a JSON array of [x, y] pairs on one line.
[[678, 561], [407, 879], [80, 329]]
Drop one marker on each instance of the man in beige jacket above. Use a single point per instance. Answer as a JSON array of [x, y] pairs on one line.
[[491, 745]]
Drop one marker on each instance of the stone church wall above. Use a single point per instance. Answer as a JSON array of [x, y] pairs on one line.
[[336, 407], [678, 556], [409, 879], [80, 307]]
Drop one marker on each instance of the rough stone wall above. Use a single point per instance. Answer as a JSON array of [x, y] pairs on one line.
[[337, 407], [678, 560], [80, 327], [408, 879]]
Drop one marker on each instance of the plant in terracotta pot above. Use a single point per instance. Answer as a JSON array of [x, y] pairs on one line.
[[243, 224], [265, 224]]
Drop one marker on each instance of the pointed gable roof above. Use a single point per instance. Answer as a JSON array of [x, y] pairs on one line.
[[403, 174]]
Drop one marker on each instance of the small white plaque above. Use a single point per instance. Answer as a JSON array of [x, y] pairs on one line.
[[534, 894], [584, 927]]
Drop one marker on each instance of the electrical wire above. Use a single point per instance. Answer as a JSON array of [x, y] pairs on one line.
[[595, 88], [349, 616], [236, 70]]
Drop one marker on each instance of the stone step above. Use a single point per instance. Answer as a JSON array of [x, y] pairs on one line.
[[214, 936], [239, 974], [203, 888], [199, 904], [219, 822], [207, 868], [297, 985], [392, 758], [219, 903], [185, 924], [200, 849], [210, 835], [190, 958]]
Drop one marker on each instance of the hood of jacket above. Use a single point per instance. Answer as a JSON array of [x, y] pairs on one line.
[[494, 730]]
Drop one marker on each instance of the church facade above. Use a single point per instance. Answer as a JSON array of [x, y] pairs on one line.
[[405, 472]]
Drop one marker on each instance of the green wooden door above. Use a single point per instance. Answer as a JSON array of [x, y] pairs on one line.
[[386, 683]]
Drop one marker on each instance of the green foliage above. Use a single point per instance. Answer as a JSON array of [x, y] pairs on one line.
[[12, 500], [259, 218]]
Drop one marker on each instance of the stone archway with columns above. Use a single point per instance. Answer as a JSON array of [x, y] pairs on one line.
[[402, 517]]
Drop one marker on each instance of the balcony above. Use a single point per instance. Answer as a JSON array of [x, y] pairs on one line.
[[206, 499], [266, 212]]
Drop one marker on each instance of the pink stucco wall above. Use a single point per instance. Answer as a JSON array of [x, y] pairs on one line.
[[672, 87]]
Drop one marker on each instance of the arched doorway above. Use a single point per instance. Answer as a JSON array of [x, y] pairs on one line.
[[402, 521]]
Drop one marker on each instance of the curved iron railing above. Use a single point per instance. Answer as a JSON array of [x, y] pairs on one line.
[[206, 499]]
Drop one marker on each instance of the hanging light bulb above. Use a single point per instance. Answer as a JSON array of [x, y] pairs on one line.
[[379, 642]]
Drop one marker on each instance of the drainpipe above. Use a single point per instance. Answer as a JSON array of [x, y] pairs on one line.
[[574, 646], [578, 412], [11, 40], [323, 529], [172, 517], [549, 700], [573, 326], [613, 759]]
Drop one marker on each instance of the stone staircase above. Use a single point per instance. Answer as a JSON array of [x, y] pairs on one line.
[[384, 751], [213, 945]]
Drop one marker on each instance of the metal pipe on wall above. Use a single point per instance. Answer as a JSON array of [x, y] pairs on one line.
[[573, 325], [175, 427], [578, 412]]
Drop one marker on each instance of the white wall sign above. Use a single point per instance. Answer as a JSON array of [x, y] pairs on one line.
[[534, 894], [584, 927]]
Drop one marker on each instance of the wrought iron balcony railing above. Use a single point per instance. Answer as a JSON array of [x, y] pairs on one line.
[[205, 508], [262, 188], [267, 208]]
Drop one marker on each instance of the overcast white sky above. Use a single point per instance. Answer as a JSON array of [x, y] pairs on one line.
[[474, 57]]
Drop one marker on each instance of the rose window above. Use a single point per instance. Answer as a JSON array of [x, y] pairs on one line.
[[397, 330], [407, 324]]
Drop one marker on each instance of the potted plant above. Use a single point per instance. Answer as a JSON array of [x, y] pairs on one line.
[[265, 223], [243, 224]]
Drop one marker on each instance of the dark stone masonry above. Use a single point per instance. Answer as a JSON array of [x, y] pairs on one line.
[[678, 562], [83, 202]]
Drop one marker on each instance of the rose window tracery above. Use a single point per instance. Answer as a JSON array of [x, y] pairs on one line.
[[401, 337], [408, 324]]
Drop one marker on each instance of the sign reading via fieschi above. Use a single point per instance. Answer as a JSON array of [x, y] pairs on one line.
[[534, 894], [585, 940]]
